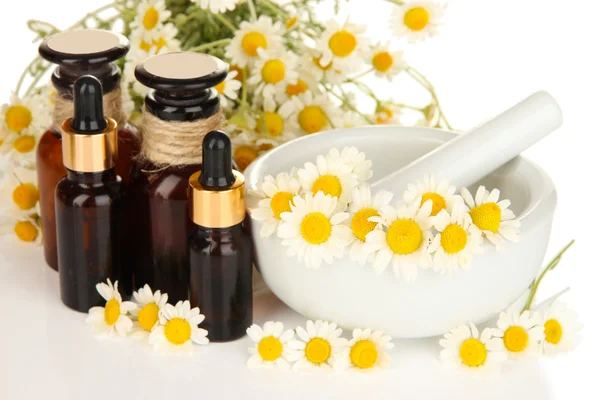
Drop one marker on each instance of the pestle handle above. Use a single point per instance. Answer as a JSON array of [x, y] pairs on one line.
[[471, 156]]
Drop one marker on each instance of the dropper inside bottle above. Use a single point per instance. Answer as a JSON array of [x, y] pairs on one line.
[[216, 161], [89, 110]]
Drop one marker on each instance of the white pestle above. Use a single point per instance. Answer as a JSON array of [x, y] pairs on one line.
[[473, 155]]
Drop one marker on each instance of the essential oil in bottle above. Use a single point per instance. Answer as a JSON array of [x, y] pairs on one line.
[[220, 249], [179, 111], [89, 201], [78, 53]]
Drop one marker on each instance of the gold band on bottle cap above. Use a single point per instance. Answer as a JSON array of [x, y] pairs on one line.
[[217, 208], [89, 152]]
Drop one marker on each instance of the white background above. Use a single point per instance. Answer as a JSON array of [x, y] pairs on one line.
[[490, 55]]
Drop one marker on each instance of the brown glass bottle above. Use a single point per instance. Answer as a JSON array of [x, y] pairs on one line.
[[157, 194], [65, 50]]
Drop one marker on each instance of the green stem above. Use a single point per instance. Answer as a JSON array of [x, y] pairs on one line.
[[274, 8], [24, 74], [225, 22], [346, 103], [365, 89], [396, 2], [402, 105], [244, 86], [536, 282], [252, 10], [419, 77], [210, 45], [362, 74]]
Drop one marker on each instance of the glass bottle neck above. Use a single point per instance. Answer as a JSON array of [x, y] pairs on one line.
[[92, 178]]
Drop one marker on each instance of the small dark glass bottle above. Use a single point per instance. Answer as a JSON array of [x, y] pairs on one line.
[[90, 206], [220, 249], [182, 99], [78, 53]]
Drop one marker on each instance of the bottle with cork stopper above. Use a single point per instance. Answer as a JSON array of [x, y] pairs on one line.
[[77, 53]]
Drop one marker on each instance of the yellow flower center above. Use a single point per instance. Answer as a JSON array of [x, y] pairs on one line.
[[291, 22], [516, 339], [24, 143], [18, 118], [416, 19], [315, 228], [244, 155], [384, 115], [361, 225], [404, 236], [270, 348], [178, 331], [317, 350], [220, 87], [328, 184], [299, 87], [25, 196], [312, 119], [281, 202], [273, 71], [252, 41], [439, 203], [364, 354], [26, 231], [553, 330], [150, 19], [158, 43], [148, 316], [317, 62], [112, 310], [342, 43], [454, 239], [487, 217], [382, 61], [472, 352], [273, 123]]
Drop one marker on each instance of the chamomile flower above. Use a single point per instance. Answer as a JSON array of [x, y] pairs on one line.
[[318, 346], [387, 114], [24, 116], [360, 167], [150, 17], [385, 62], [272, 73], [263, 34], [404, 241], [311, 62], [417, 19], [24, 228], [314, 113], [365, 351], [464, 348], [560, 329], [245, 149], [272, 124], [19, 190], [271, 346], [492, 217], [313, 231], [441, 194], [228, 89], [351, 119], [164, 40], [342, 45], [149, 305], [520, 333], [217, 6], [333, 177], [278, 194], [457, 242], [19, 147], [112, 318], [363, 207], [178, 329]]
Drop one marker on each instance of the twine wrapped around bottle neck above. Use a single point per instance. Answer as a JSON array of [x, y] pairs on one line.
[[113, 108], [175, 143]]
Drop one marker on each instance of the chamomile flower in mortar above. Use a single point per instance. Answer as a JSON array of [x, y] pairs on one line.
[[314, 113], [333, 177], [260, 34], [150, 17], [19, 191], [520, 332], [440, 193], [271, 346], [360, 167], [112, 318], [362, 208], [229, 89], [272, 124], [178, 329], [385, 62], [313, 230], [365, 351], [463, 347], [272, 73], [26, 117], [457, 242], [404, 240], [318, 346], [417, 20], [217, 6], [342, 45], [23, 228], [560, 329], [149, 305], [492, 217], [277, 197]]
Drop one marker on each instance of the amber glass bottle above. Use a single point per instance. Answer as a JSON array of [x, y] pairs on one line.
[[77, 53], [220, 248], [90, 204], [179, 111]]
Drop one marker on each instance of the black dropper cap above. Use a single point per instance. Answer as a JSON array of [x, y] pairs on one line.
[[89, 109], [216, 161]]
